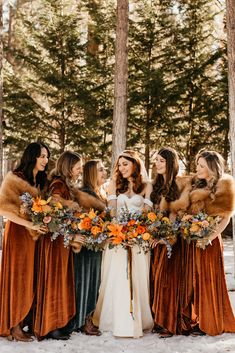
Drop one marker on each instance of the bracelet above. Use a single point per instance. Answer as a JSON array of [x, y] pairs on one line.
[[111, 197], [148, 202]]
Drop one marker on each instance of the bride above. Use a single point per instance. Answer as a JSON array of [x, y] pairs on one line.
[[129, 188]]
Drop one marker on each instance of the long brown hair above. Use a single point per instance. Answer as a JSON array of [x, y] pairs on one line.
[[167, 188], [64, 166], [215, 163], [122, 183], [90, 177]]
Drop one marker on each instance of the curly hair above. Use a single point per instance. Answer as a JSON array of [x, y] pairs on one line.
[[122, 183], [215, 164], [167, 188]]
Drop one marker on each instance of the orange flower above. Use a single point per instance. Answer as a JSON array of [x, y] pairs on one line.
[[117, 240], [38, 203], [152, 216], [146, 236], [36, 207], [46, 208], [115, 230], [195, 228], [133, 234], [85, 224], [92, 214], [95, 230], [140, 229], [131, 223]]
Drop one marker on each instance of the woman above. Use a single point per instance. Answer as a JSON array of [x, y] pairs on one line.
[[213, 192], [170, 195], [17, 288], [55, 287], [114, 307], [87, 263]]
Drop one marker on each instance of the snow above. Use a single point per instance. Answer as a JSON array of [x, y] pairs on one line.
[[148, 344]]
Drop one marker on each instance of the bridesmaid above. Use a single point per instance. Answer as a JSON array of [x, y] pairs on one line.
[[87, 263], [170, 194], [17, 288], [55, 287], [213, 191]]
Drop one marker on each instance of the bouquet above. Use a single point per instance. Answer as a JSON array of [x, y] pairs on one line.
[[162, 228], [89, 224], [40, 211], [198, 228], [128, 229]]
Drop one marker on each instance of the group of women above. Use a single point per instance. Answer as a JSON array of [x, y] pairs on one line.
[[50, 291]]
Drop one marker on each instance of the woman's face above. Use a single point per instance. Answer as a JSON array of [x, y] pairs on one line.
[[203, 172], [125, 167], [160, 163], [101, 174], [76, 171], [42, 161]]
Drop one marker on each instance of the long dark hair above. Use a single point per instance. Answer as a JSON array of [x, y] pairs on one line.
[[122, 183], [167, 188], [28, 162]]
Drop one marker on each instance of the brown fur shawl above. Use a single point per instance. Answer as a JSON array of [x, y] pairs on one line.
[[12, 187], [73, 197], [182, 203], [219, 203]]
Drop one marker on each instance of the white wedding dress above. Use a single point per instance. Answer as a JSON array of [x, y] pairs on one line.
[[113, 312]]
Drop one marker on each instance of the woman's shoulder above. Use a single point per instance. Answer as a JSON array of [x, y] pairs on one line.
[[184, 181], [225, 184]]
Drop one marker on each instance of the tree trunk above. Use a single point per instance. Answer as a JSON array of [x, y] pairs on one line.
[[120, 80], [1, 132], [230, 13]]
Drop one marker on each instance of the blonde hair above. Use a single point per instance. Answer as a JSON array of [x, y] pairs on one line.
[[90, 175], [215, 162]]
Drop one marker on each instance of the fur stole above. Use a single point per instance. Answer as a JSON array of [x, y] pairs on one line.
[[182, 203], [88, 201], [73, 197], [218, 203], [12, 187]]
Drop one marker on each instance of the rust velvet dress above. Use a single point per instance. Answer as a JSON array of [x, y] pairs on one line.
[[17, 287], [209, 298], [167, 285], [55, 300]]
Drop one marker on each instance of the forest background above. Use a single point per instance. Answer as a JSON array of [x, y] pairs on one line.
[[59, 61], [61, 77]]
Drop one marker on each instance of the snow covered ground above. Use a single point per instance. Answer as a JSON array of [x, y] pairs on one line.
[[150, 343]]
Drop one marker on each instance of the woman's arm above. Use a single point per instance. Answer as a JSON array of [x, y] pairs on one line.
[[41, 229], [112, 197], [219, 228], [148, 205]]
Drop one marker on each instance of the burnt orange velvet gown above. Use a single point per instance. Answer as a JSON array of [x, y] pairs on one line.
[[17, 277], [167, 289], [211, 300], [55, 300]]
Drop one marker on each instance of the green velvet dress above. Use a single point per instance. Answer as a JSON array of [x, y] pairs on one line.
[[87, 267]]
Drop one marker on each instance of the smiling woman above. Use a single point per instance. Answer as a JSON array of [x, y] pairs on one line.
[[123, 305], [17, 289]]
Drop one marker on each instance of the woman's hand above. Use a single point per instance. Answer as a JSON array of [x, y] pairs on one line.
[[155, 242], [77, 241], [39, 228]]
